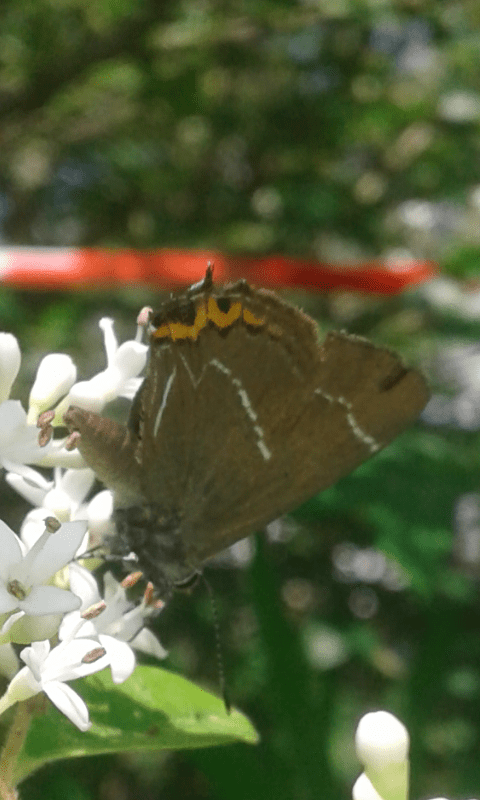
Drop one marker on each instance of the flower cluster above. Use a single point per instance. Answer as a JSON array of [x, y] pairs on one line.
[[49, 602]]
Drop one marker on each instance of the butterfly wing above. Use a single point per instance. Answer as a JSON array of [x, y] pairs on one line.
[[243, 420]]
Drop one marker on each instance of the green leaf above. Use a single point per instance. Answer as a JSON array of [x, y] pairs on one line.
[[153, 710]]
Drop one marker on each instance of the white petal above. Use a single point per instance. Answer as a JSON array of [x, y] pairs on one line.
[[146, 642], [77, 484], [27, 473], [22, 686], [59, 504], [11, 620], [363, 789], [74, 627], [83, 584], [18, 441], [49, 600], [30, 629], [57, 456], [12, 416], [10, 550], [69, 703], [130, 388], [10, 359], [131, 358], [121, 657], [33, 526], [93, 394], [35, 655], [130, 622], [56, 374], [111, 586], [99, 515], [59, 550], [65, 662], [34, 494], [109, 338]]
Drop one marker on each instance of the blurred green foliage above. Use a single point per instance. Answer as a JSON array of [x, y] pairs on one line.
[[339, 130], [335, 129]]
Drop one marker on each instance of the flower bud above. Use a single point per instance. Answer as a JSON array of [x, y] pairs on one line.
[[10, 359], [56, 374], [382, 744]]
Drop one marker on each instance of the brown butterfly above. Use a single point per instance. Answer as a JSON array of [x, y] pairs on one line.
[[242, 416]]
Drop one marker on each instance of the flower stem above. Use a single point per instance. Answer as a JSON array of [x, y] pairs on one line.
[[12, 747]]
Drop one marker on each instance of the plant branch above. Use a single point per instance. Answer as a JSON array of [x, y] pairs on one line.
[[12, 748]]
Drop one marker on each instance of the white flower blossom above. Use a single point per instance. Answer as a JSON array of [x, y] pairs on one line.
[[25, 574], [119, 379], [62, 498], [118, 628], [47, 670], [18, 438]]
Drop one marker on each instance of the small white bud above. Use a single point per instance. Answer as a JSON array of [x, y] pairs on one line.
[[10, 359], [381, 739], [382, 744], [56, 374]]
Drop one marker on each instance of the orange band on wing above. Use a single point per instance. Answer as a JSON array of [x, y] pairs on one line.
[[251, 319], [206, 312], [223, 319]]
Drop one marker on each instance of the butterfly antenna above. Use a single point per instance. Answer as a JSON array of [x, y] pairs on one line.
[[218, 647]]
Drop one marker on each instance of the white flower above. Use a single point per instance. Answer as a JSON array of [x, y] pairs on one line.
[[24, 595], [10, 359], [62, 498], [46, 670], [382, 744], [18, 440], [119, 379], [120, 625], [56, 374]]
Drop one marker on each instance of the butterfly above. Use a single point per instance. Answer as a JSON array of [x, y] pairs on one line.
[[242, 416]]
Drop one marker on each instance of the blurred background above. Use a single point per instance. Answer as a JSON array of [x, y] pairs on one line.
[[341, 131]]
